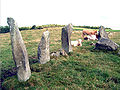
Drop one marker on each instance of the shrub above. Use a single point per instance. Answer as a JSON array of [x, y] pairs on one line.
[[39, 27], [4, 29], [90, 27], [24, 28], [34, 27]]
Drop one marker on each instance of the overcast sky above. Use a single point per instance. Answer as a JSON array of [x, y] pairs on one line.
[[77, 12]]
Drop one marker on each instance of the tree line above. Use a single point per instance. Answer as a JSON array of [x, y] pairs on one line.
[[90, 27], [5, 29]]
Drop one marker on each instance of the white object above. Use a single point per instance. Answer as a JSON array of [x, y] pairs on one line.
[[76, 43], [92, 37]]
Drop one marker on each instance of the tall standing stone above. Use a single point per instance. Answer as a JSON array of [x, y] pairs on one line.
[[102, 33], [19, 51], [66, 41], [43, 48]]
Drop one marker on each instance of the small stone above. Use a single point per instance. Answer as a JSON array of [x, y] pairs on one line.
[[52, 54], [55, 54], [43, 48], [63, 53]]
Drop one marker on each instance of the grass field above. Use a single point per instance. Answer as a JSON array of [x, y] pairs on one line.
[[107, 30], [84, 68]]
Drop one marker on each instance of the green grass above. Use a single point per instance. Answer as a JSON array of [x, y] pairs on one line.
[[84, 68], [112, 30], [78, 29], [107, 30]]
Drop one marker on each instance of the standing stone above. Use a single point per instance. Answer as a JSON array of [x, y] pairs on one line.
[[66, 34], [102, 33], [43, 48], [19, 51]]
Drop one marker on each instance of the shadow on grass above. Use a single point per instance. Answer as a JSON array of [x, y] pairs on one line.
[[13, 71], [65, 74]]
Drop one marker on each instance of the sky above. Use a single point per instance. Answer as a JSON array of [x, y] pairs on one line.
[[77, 12]]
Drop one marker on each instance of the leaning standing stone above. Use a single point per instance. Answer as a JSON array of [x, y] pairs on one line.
[[43, 48], [102, 33], [19, 51], [66, 42]]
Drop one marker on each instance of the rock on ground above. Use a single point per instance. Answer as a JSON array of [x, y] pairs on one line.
[[106, 44]]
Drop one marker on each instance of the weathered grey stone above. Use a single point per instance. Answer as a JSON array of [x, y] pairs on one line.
[[66, 41], [19, 51], [55, 54], [62, 52], [43, 48], [106, 44], [102, 33], [58, 53]]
